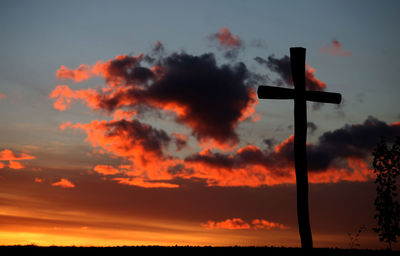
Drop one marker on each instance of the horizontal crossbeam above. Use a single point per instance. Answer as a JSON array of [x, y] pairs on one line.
[[271, 92]]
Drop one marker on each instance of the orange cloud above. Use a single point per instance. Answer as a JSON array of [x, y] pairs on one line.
[[65, 96], [227, 39], [145, 184], [358, 171], [8, 155], [120, 114], [64, 183], [312, 82], [15, 165], [264, 224], [140, 144], [39, 180], [3, 96], [183, 76], [13, 159], [82, 73], [335, 48], [235, 223], [105, 169], [238, 223]]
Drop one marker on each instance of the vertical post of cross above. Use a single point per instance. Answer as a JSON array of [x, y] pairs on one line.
[[297, 59]]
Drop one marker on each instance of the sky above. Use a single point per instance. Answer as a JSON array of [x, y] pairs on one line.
[[138, 122]]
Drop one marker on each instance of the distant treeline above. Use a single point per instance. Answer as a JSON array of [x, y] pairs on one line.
[[187, 250]]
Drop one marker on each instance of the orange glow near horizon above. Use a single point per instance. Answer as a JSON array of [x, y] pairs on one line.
[[182, 234], [82, 229]]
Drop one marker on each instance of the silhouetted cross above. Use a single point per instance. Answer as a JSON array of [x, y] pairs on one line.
[[300, 96]]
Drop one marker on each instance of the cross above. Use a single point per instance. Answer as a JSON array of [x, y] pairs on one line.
[[300, 96]]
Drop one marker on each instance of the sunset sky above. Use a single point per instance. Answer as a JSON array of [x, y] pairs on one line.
[[138, 123]]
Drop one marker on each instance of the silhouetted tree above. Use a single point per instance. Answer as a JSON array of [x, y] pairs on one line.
[[387, 168]]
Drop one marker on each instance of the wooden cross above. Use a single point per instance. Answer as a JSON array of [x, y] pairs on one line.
[[300, 96]]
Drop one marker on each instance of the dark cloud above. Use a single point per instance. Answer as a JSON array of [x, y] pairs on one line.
[[332, 149], [283, 69], [135, 132], [279, 66], [128, 69], [211, 98], [156, 52], [213, 159], [356, 141], [214, 97]]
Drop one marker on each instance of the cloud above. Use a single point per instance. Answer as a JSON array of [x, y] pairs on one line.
[[339, 155], [178, 84], [65, 96], [145, 183], [126, 138], [226, 39], [105, 169], [139, 144], [235, 223], [283, 69], [238, 223], [3, 96], [13, 159], [64, 183], [229, 44], [357, 141], [39, 180], [83, 72], [335, 48], [15, 165], [8, 155], [265, 224], [189, 81]]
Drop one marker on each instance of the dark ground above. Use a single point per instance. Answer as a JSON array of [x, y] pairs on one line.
[[183, 250]]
